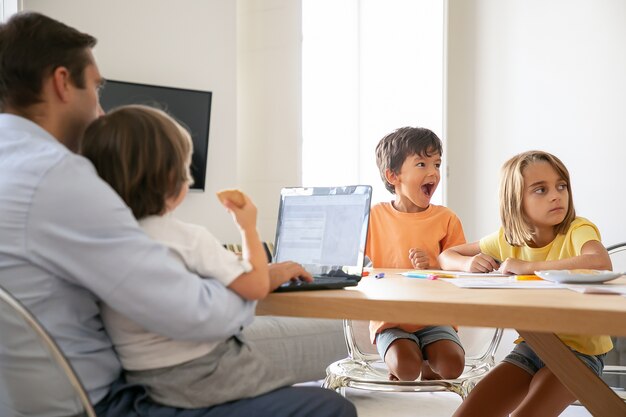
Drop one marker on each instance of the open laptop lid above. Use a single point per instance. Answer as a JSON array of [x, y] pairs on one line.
[[324, 229]]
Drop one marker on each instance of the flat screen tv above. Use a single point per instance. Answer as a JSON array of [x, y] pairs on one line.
[[192, 108]]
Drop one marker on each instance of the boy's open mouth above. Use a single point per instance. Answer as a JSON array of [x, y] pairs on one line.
[[428, 188]]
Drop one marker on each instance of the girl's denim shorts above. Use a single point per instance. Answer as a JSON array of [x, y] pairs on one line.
[[524, 357]]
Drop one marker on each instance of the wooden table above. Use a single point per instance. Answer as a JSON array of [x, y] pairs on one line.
[[536, 314]]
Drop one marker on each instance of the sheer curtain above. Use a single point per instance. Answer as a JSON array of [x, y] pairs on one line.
[[369, 67]]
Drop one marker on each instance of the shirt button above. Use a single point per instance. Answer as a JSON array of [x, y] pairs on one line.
[[240, 328]]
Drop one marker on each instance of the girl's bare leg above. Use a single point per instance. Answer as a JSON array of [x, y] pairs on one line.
[[498, 394], [547, 396]]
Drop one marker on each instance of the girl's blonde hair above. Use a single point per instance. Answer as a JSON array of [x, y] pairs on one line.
[[143, 153], [517, 230]]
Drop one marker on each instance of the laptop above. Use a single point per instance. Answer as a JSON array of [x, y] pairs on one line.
[[325, 230]]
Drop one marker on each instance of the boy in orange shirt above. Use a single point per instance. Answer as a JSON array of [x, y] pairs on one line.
[[409, 232]]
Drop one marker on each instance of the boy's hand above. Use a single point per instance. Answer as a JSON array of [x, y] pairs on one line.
[[516, 266], [244, 216], [481, 263], [418, 258]]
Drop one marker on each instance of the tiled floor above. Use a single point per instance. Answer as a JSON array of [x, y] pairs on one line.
[[419, 405]]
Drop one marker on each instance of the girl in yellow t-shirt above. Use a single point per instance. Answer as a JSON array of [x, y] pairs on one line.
[[539, 230]]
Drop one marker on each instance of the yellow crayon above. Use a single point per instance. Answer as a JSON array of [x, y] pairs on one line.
[[527, 278], [445, 275]]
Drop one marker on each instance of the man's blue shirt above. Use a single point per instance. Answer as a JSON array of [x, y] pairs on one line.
[[68, 241]]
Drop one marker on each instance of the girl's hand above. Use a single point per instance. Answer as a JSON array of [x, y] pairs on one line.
[[481, 263], [418, 258], [516, 267], [244, 216]]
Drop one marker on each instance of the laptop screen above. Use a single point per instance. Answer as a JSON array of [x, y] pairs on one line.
[[324, 228]]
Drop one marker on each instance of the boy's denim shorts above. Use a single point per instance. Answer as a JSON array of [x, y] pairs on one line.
[[524, 357], [422, 337]]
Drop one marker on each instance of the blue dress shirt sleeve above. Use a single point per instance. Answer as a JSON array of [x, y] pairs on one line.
[[80, 230]]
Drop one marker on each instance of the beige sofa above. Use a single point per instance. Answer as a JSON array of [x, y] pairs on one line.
[[301, 347]]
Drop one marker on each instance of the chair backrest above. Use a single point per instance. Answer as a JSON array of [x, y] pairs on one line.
[[617, 253], [35, 377], [615, 371], [480, 343]]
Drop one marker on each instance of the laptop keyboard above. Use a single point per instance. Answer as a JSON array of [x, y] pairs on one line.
[[317, 279]]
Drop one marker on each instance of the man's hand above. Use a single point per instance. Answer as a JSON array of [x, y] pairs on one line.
[[284, 271]]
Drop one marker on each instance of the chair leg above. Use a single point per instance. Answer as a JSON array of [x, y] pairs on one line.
[[464, 389], [334, 383], [328, 382], [331, 382]]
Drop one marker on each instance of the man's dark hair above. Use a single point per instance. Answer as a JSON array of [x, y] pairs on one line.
[[33, 46], [393, 149]]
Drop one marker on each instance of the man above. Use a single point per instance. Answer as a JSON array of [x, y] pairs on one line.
[[67, 240]]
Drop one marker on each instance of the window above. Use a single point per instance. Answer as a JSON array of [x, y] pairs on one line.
[[369, 67], [8, 8]]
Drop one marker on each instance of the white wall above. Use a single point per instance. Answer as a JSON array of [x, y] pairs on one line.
[[536, 74], [194, 44], [521, 74], [269, 115]]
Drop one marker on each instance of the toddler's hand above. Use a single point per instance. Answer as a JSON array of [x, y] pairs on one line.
[[244, 216], [482, 263], [284, 271], [418, 258]]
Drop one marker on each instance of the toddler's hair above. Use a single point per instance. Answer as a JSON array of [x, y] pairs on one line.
[[393, 149], [517, 231], [143, 153]]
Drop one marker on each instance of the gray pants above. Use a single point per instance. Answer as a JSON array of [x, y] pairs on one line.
[[230, 372]]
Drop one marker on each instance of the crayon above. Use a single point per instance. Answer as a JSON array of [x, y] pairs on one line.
[[527, 278], [425, 276]]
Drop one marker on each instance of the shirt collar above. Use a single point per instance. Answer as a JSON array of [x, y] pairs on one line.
[[14, 122]]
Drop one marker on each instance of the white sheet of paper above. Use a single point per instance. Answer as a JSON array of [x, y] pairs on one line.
[[459, 274], [502, 282], [598, 289]]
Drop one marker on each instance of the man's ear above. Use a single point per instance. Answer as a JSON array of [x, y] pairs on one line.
[[61, 83], [391, 177]]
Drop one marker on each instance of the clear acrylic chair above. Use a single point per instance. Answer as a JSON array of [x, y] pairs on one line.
[[35, 377], [615, 362], [364, 368]]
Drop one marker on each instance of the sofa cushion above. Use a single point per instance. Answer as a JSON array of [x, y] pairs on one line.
[[300, 347]]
